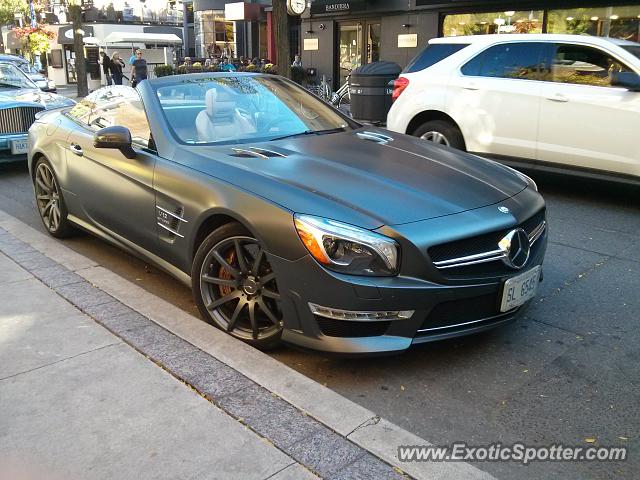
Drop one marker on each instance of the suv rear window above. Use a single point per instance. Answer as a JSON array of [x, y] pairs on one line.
[[633, 49], [433, 54]]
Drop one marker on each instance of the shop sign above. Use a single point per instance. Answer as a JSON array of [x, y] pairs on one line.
[[310, 44], [408, 40], [325, 6]]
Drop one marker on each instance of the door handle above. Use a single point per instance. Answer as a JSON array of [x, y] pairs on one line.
[[558, 98], [470, 86], [77, 149]]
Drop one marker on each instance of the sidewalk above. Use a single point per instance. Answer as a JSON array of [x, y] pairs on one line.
[[102, 379], [77, 402]]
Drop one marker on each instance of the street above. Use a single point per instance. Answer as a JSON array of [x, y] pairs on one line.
[[564, 373]]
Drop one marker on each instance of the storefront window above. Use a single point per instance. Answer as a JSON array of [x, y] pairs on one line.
[[215, 37], [524, 21], [616, 22]]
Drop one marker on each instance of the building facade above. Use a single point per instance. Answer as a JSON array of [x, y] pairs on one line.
[[339, 35]]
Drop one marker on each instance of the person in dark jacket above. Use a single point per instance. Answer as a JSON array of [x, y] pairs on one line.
[[106, 66], [116, 68], [139, 67]]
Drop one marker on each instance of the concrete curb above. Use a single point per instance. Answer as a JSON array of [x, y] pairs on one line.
[[359, 425]]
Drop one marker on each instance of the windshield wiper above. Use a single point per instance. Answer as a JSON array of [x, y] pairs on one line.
[[310, 132]]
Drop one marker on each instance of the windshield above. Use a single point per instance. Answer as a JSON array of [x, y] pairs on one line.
[[244, 108], [12, 77], [635, 49]]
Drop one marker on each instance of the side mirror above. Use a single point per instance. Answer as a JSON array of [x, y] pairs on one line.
[[115, 137], [42, 71], [628, 80]]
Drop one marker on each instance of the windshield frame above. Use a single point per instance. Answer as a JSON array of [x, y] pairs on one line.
[[186, 79], [24, 75]]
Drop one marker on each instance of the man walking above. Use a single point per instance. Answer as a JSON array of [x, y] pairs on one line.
[[106, 66], [139, 69]]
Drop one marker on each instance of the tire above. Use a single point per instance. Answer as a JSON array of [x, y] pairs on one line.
[[442, 133], [49, 200], [235, 288]]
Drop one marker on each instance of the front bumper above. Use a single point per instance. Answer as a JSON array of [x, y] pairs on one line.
[[440, 311], [5, 147]]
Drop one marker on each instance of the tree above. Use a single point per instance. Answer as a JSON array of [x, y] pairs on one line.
[[281, 36], [35, 40], [75, 11], [8, 8]]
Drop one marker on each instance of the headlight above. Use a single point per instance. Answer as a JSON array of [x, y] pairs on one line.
[[346, 248]]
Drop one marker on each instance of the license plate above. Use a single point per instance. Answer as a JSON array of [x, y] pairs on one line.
[[18, 146], [518, 290]]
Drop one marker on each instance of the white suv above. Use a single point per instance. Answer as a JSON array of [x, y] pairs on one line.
[[556, 102]]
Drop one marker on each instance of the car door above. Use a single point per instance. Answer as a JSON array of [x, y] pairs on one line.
[[495, 98], [115, 193], [586, 122]]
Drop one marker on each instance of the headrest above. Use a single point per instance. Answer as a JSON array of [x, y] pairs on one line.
[[220, 104]]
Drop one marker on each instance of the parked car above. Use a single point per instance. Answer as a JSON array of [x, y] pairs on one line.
[[20, 101], [551, 102], [31, 71], [289, 220]]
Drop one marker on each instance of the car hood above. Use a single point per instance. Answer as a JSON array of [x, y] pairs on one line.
[[350, 178], [31, 96]]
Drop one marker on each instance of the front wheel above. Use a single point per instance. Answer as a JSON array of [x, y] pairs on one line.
[[442, 133], [235, 288]]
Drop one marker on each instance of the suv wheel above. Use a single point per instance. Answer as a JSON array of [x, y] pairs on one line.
[[441, 132]]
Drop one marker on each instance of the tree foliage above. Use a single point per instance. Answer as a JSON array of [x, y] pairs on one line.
[[8, 8], [35, 40]]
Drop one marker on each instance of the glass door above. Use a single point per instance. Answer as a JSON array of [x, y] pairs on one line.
[[349, 49]]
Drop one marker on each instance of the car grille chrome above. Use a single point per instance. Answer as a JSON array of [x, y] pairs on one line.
[[453, 257], [17, 119]]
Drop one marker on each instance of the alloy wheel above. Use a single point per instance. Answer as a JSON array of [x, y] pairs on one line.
[[239, 291], [48, 197], [435, 137]]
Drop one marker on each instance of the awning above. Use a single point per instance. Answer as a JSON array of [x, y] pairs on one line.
[[135, 37]]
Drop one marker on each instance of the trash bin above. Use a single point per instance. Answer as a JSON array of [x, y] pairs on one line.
[[370, 91]]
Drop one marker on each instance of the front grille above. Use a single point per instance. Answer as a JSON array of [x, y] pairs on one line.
[[17, 119], [481, 244], [346, 328]]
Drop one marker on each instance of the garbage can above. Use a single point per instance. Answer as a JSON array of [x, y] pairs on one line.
[[370, 91]]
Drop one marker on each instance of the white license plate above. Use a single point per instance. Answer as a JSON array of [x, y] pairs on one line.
[[518, 290], [18, 146]]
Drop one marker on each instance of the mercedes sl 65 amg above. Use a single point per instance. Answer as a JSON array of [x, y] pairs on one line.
[[290, 221]]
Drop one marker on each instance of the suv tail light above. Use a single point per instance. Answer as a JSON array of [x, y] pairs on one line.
[[399, 84]]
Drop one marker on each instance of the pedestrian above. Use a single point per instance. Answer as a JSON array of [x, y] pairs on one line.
[[225, 66], [297, 62], [106, 66], [132, 58], [139, 68], [116, 68]]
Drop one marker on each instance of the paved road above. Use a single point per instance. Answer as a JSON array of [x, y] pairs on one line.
[[565, 373]]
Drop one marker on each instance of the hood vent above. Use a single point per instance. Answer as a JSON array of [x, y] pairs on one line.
[[256, 152], [375, 137]]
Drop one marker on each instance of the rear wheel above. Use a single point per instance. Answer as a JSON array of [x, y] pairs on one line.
[[235, 288], [442, 133], [49, 200]]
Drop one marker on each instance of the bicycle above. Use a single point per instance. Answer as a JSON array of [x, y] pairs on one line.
[[342, 96]]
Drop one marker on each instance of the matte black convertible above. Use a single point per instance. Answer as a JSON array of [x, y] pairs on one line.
[[289, 220]]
